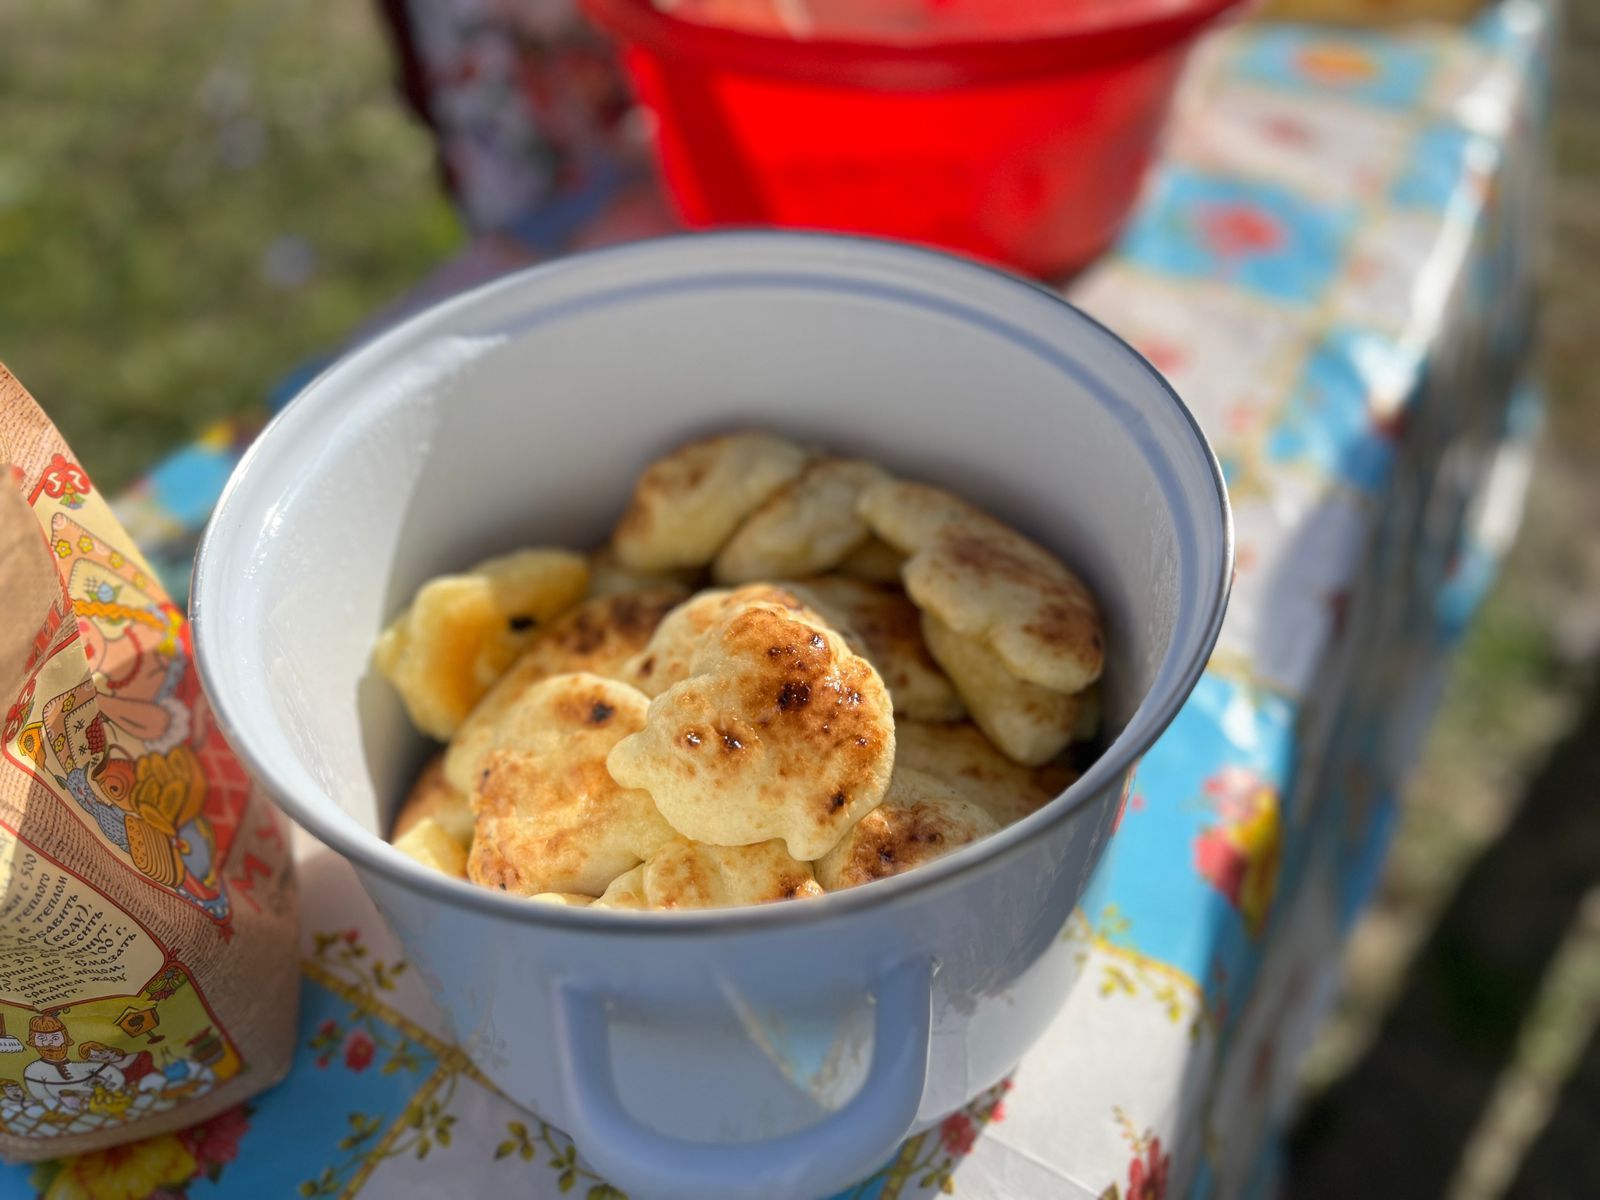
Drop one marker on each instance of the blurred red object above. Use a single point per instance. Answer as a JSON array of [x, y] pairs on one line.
[[1014, 130]]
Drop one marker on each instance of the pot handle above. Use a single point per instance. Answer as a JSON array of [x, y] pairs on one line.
[[845, 1146]]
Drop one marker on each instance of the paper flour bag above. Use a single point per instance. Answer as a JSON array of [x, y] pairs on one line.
[[148, 974]]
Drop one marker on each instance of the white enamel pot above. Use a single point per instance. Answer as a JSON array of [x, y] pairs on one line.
[[782, 1050]]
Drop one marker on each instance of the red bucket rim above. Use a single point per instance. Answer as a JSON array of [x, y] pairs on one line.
[[895, 65]]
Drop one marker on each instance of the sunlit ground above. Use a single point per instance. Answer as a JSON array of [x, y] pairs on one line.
[[1464, 1060]]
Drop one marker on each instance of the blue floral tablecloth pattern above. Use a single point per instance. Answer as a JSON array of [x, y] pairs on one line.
[[1334, 268]]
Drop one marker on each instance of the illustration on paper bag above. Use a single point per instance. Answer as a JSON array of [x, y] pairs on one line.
[[133, 745], [91, 1065]]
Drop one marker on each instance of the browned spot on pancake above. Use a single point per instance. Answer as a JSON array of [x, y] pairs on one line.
[[584, 635], [877, 854], [574, 706], [521, 623], [794, 695], [554, 819], [1060, 623], [599, 635], [635, 615], [961, 756], [601, 712], [647, 666], [886, 628], [896, 837], [989, 557], [817, 691], [798, 722]]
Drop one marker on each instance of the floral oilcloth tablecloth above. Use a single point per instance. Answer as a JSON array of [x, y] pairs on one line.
[[1333, 267]]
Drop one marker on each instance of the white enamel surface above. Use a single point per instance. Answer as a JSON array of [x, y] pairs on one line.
[[520, 414]]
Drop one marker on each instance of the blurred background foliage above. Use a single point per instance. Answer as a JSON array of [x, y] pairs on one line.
[[193, 198]]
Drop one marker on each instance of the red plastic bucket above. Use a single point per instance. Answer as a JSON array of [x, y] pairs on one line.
[[1025, 148]]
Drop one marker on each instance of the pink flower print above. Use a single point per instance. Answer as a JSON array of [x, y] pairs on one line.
[[217, 1140], [1239, 793], [1239, 856], [359, 1049], [1287, 131], [1147, 1175], [1165, 356], [958, 1134], [1239, 230]]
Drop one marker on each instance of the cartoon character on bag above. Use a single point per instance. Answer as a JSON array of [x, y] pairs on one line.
[[138, 1067], [164, 829], [53, 1079], [117, 739], [132, 638], [151, 807]]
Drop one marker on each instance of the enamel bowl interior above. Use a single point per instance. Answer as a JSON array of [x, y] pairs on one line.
[[521, 413]]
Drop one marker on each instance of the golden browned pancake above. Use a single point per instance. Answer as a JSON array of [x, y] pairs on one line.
[[888, 629], [780, 731], [664, 659], [427, 842], [685, 874], [961, 757], [874, 560], [550, 818], [1028, 723], [688, 503], [804, 529], [432, 796], [920, 819], [597, 636], [607, 576], [461, 632], [990, 584]]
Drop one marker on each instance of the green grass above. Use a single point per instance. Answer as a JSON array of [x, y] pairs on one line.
[[194, 198]]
